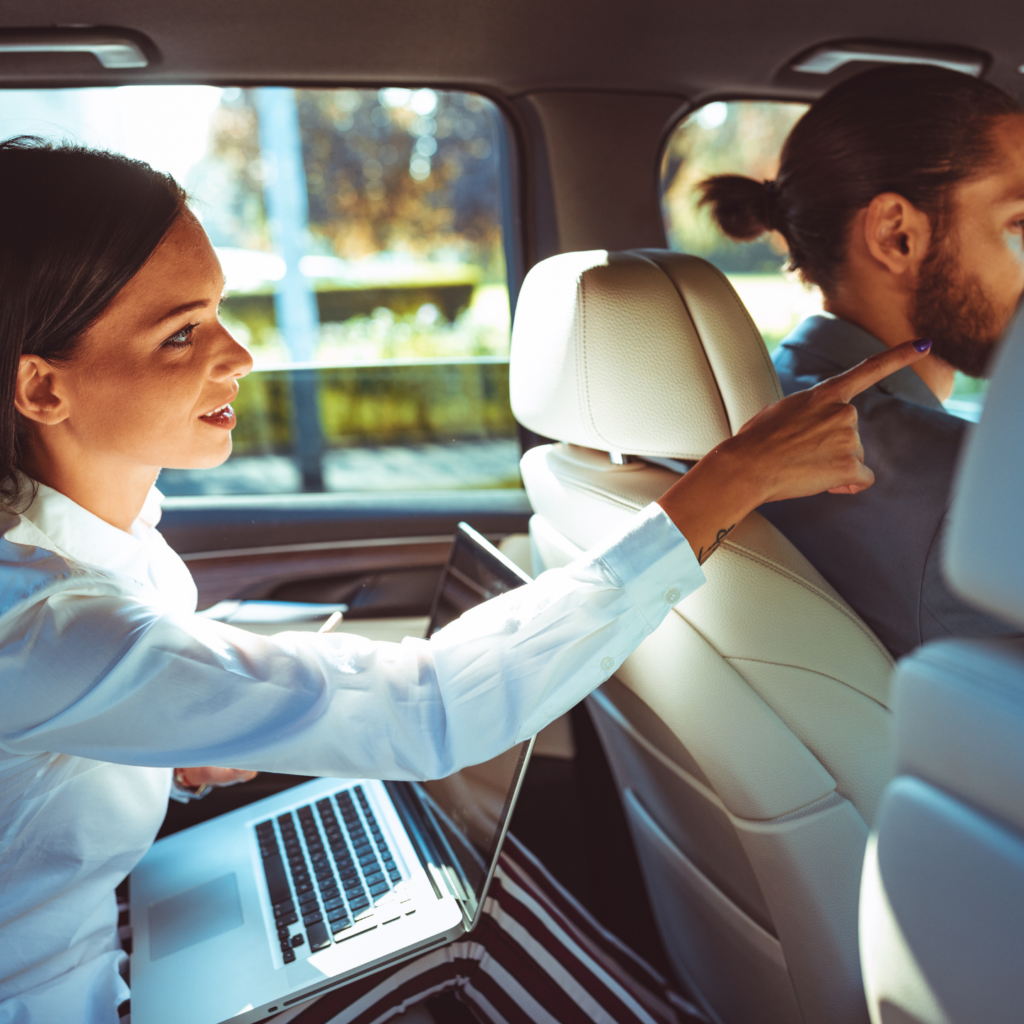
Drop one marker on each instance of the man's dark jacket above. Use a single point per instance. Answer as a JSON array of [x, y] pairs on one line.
[[882, 548]]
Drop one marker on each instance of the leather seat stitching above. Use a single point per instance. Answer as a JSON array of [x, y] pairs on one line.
[[814, 671], [608, 497], [780, 570], [621, 501]]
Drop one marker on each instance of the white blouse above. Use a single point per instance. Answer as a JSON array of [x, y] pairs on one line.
[[108, 679]]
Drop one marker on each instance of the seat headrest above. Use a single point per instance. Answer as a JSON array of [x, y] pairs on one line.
[[984, 558], [645, 352]]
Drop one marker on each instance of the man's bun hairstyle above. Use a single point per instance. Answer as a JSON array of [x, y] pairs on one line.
[[913, 129], [742, 207]]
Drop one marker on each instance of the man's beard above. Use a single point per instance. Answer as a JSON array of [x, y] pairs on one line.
[[951, 308]]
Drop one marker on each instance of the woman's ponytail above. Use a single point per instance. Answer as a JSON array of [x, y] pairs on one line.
[[743, 208]]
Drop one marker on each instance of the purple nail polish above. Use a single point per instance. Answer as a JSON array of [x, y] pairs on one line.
[[923, 344]]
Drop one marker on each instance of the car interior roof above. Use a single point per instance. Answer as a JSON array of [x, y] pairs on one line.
[[674, 47]]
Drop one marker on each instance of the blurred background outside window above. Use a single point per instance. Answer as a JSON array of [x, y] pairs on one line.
[[746, 137], [361, 235]]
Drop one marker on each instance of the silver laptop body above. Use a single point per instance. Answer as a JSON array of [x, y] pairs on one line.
[[267, 906]]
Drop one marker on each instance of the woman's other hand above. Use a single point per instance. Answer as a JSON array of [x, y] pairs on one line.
[[802, 445], [210, 776]]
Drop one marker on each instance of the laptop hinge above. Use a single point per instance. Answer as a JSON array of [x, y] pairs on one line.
[[442, 876]]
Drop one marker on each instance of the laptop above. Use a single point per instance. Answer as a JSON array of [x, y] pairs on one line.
[[267, 906]]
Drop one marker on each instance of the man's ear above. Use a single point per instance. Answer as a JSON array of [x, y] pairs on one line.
[[897, 233], [37, 392]]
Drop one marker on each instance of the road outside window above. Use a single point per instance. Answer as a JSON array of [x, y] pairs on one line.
[[361, 235], [746, 137]]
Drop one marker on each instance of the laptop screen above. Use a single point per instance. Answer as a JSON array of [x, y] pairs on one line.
[[468, 812]]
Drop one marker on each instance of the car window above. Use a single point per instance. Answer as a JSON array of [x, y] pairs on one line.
[[361, 235], [746, 137]]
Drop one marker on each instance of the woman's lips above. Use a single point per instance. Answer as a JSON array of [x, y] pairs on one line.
[[222, 417]]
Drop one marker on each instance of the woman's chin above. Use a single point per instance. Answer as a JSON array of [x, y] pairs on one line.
[[203, 460]]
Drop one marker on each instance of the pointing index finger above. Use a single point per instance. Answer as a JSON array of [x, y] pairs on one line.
[[851, 383]]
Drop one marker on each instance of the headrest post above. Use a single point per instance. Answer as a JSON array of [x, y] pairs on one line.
[[618, 459]]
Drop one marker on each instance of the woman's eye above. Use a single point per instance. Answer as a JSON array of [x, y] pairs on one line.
[[180, 339]]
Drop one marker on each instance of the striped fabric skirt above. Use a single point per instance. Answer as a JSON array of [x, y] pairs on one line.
[[535, 956]]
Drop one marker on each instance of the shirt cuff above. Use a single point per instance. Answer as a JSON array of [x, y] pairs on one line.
[[186, 794], [653, 563]]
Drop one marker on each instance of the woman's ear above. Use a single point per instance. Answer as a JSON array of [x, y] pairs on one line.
[[37, 392], [897, 233]]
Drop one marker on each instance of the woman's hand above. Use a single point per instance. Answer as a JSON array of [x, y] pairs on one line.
[[804, 444], [209, 776]]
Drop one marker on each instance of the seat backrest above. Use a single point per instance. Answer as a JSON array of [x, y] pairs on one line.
[[750, 734], [942, 902]]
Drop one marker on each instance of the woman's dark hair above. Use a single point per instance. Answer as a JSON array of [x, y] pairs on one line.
[[75, 226], [914, 130]]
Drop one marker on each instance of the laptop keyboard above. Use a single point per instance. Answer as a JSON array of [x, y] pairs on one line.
[[329, 872]]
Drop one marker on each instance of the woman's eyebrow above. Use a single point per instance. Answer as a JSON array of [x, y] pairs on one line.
[[185, 307]]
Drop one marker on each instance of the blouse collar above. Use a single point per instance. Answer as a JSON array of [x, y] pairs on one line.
[[54, 522]]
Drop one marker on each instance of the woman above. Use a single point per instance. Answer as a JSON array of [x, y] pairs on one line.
[[115, 365]]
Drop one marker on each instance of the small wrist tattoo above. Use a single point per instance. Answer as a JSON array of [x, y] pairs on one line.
[[705, 553]]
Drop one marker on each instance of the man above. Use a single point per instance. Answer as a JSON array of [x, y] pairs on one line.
[[901, 194]]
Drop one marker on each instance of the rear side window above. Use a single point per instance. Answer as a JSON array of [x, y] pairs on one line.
[[361, 235], [739, 137], [746, 137]]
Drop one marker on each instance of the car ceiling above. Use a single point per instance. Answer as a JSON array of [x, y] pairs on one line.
[[510, 47]]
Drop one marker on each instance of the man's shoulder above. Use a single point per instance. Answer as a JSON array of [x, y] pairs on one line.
[[818, 348]]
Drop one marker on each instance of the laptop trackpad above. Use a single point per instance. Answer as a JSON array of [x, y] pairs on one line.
[[194, 915]]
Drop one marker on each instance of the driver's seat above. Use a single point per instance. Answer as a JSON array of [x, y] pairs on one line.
[[749, 735]]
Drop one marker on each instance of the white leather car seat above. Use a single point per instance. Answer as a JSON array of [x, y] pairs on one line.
[[750, 734], [942, 905]]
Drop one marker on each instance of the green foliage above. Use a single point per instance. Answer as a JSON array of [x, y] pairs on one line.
[[381, 178], [383, 404]]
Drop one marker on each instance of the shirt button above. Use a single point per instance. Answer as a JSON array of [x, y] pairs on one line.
[[607, 664], [672, 595]]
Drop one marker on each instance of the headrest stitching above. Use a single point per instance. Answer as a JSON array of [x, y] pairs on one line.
[[762, 348], [744, 313], [700, 339], [581, 341], [582, 389]]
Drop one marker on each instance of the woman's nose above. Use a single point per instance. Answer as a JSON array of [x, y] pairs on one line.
[[232, 358]]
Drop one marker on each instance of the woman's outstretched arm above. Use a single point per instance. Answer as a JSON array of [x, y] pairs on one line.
[[89, 666]]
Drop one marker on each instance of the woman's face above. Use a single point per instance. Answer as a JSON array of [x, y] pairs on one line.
[[150, 382]]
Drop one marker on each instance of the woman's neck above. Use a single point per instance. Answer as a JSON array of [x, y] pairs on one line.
[[114, 494]]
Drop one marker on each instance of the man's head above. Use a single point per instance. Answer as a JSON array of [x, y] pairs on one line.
[[919, 172]]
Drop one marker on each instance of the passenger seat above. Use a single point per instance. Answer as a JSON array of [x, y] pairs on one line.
[[750, 734], [942, 906]]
